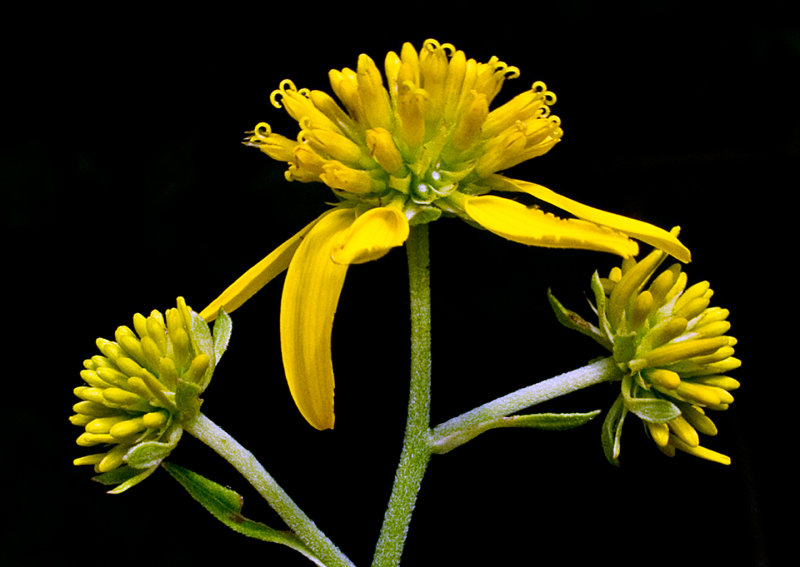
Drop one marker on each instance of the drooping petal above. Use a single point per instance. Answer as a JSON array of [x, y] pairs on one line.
[[515, 221], [310, 296], [258, 276], [371, 236], [640, 230]]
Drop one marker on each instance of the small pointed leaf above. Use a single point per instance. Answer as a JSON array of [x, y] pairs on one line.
[[544, 421], [226, 506], [549, 421]]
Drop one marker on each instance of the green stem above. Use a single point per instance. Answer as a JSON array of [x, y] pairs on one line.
[[464, 427], [243, 461], [417, 442]]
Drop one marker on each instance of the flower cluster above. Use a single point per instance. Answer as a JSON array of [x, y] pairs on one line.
[[672, 348], [141, 390], [403, 151], [425, 143]]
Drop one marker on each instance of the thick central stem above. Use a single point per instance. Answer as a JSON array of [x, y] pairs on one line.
[[417, 443]]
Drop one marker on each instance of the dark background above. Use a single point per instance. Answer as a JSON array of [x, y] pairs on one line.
[[124, 185]]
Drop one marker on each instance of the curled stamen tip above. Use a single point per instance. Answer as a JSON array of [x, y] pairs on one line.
[[262, 131], [284, 86], [511, 72], [273, 98], [431, 45]]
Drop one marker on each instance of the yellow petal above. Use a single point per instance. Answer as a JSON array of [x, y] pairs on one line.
[[258, 276], [371, 236], [640, 230], [310, 296], [517, 222]]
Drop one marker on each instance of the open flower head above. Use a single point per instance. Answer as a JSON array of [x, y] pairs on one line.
[[407, 146], [673, 349], [140, 391]]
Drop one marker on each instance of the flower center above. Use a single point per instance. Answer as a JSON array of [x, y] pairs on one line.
[[417, 137]]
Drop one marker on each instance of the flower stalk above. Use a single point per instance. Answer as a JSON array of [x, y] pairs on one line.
[[417, 447], [457, 431], [245, 462]]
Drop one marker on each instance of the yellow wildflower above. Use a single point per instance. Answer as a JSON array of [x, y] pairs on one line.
[[672, 348], [142, 389], [404, 148]]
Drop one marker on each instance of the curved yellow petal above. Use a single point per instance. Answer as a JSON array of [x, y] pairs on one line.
[[310, 296], [258, 276], [515, 221], [371, 236], [640, 230]]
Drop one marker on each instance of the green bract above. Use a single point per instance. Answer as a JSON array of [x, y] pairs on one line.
[[143, 389]]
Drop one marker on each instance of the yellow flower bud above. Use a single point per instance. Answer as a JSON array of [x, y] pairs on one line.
[[673, 350], [126, 404]]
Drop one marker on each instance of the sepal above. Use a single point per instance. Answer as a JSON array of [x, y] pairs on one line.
[[203, 342], [572, 320], [149, 454], [223, 326]]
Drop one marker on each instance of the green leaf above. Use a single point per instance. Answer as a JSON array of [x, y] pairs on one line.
[[624, 347], [125, 477], [148, 454], [646, 406], [544, 421], [187, 396], [548, 421], [612, 431], [654, 410], [222, 333], [226, 506], [572, 320], [203, 341], [600, 301]]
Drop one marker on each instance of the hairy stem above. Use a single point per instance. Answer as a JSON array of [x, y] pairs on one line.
[[417, 442], [464, 427], [243, 461]]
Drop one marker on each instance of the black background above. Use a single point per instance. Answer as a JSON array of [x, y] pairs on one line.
[[124, 185]]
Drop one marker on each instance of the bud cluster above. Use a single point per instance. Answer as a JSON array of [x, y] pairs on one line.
[[673, 350], [140, 391]]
